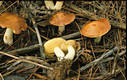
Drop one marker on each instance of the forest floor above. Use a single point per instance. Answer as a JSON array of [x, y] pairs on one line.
[[103, 61]]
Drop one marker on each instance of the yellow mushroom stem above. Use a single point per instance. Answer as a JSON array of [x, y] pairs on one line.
[[97, 40], [61, 29], [8, 36], [58, 5]]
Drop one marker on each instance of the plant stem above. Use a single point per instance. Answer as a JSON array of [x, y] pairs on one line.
[[61, 29], [97, 40]]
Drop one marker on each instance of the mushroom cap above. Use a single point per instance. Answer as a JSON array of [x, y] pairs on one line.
[[51, 44], [13, 21], [62, 19], [96, 28]]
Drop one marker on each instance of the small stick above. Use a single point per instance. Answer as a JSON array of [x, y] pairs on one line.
[[23, 50], [104, 55], [36, 28], [71, 35], [24, 60], [111, 58], [39, 38], [9, 55], [1, 77]]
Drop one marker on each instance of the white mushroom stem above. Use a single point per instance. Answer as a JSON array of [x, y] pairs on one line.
[[49, 4], [97, 40], [58, 5], [59, 53], [8, 37], [71, 53], [61, 29]]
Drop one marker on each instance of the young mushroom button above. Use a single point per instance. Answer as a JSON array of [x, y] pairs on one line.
[[14, 24], [96, 29], [61, 19]]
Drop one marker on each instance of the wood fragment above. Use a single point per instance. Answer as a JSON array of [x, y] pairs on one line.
[[104, 55], [23, 50], [71, 35]]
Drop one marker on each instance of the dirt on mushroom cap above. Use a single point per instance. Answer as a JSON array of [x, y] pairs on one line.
[[62, 19], [13, 21], [95, 28]]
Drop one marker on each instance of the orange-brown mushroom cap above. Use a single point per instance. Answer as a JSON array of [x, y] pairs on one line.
[[95, 28], [13, 21], [62, 19]]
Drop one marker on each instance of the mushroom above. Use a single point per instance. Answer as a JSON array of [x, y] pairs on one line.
[[14, 24], [96, 29], [61, 19], [50, 5], [59, 46]]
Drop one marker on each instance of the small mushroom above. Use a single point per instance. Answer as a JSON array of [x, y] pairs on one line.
[[96, 29], [14, 24], [61, 19]]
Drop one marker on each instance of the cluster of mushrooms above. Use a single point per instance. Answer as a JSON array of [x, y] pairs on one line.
[[58, 46]]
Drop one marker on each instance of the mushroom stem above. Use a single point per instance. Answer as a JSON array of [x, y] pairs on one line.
[[8, 36], [61, 29], [71, 53], [59, 53], [97, 40], [58, 5], [49, 4]]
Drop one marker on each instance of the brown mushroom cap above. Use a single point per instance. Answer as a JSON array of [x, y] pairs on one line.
[[62, 19], [13, 21], [96, 28]]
